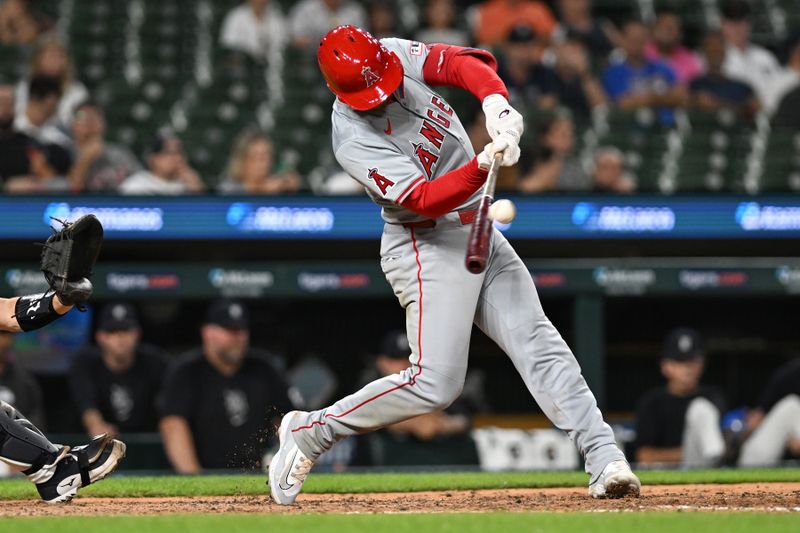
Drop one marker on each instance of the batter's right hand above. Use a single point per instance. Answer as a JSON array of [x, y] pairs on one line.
[[505, 144]]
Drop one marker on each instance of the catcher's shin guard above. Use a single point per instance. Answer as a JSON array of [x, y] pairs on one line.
[[24, 447]]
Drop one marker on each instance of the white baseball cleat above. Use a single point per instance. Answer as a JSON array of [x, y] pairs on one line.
[[289, 468], [616, 481]]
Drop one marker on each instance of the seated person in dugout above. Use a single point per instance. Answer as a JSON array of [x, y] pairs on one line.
[[775, 424], [220, 401], [115, 383], [680, 422]]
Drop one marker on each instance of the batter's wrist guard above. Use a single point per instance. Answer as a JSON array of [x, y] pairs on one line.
[[35, 311]]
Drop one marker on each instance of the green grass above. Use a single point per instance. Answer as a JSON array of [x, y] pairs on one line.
[[121, 486], [415, 523]]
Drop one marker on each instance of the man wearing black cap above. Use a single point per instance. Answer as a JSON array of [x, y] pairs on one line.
[[168, 172], [680, 423], [115, 384], [219, 401]]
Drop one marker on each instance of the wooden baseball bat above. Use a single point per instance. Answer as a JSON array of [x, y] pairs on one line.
[[481, 232]]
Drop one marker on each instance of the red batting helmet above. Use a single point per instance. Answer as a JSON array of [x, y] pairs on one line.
[[358, 68]]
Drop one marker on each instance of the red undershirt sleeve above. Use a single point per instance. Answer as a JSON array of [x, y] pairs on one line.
[[467, 68], [433, 199]]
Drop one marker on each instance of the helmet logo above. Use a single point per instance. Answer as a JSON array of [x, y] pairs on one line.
[[370, 78]]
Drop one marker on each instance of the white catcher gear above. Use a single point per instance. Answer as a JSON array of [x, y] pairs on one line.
[[501, 118]]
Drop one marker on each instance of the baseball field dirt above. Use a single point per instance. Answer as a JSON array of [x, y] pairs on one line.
[[762, 497], [725, 500]]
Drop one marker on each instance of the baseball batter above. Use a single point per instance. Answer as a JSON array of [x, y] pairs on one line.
[[58, 471], [401, 140]]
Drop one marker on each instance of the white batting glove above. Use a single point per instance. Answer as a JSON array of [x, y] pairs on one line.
[[505, 144], [485, 157], [501, 118]]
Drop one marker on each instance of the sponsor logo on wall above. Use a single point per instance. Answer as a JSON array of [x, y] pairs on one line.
[[549, 280], [332, 281], [752, 216], [712, 279], [24, 281], [231, 282], [124, 282], [264, 219], [789, 277], [149, 219], [623, 219], [624, 280]]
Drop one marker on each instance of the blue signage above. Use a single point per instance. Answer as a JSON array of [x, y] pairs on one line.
[[542, 217]]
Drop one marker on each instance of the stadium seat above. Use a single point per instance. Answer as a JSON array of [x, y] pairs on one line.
[[12, 66], [135, 112], [782, 162]]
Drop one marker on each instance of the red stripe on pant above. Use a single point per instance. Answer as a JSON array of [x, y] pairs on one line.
[[413, 378]]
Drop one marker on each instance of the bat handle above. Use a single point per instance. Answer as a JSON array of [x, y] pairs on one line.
[[476, 264], [491, 181]]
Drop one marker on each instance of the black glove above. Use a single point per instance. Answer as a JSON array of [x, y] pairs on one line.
[[69, 256]]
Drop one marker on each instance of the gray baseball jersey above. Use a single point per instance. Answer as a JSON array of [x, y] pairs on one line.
[[415, 138], [442, 300]]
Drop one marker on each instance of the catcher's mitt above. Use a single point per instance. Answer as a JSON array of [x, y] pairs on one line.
[[68, 257]]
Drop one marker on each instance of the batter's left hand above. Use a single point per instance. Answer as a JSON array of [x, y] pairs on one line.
[[501, 118]]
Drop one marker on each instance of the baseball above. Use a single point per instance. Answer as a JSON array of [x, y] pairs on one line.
[[503, 211]]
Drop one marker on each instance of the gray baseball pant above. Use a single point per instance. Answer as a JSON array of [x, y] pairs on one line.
[[425, 267]]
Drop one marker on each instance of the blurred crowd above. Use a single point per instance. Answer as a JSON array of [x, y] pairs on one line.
[[557, 58]]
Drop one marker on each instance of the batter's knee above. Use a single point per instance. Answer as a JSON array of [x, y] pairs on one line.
[[438, 391]]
